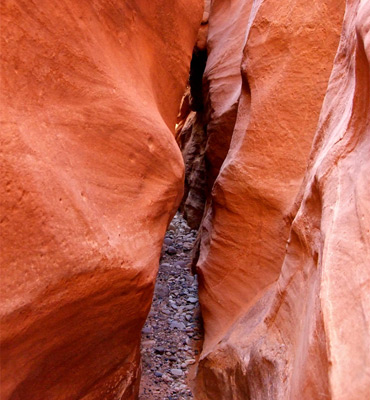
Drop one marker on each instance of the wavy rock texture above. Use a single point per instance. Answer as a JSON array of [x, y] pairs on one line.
[[222, 79], [190, 131], [307, 335], [285, 70], [92, 175], [205, 137]]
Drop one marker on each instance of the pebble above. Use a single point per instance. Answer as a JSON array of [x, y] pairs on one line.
[[187, 246], [182, 264], [159, 350], [177, 325], [168, 336], [177, 372], [172, 227], [171, 250], [161, 290], [148, 343], [192, 300], [168, 241]]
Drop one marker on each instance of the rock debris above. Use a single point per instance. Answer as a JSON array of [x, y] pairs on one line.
[[172, 335]]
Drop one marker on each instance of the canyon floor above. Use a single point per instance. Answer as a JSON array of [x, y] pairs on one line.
[[172, 335]]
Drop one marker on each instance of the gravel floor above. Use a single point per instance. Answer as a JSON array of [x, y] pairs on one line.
[[172, 335]]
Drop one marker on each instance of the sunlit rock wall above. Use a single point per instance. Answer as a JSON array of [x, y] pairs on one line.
[[287, 58], [91, 175], [305, 336]]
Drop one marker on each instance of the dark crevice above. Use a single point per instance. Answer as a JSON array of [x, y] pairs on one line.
[[197, 67]]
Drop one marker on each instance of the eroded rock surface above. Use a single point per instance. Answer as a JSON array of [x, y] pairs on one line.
[[285, 67], [302, 306], [205, 136], [191, 131], [91, 177]]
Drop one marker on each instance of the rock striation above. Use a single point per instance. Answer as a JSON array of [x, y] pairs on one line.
[[283, 75], [206, 134], [91, 177], [284, 256], [274, 130]]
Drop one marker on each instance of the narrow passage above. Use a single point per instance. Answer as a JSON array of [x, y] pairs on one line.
[[172, 335]]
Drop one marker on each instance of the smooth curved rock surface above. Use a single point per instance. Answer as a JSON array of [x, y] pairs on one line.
[[307, 336], [228, 25], [91, 177], [286, 65]]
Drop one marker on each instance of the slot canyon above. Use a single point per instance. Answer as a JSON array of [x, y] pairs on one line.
[[185, 200]]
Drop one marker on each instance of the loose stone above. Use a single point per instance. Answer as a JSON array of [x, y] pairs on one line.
[[177, 325], [177, 372], [167, 345], [171, 250], [192, 300], [159, 350]]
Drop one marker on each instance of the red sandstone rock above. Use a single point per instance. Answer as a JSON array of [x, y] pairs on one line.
[[307, 335], [91, 177], [190, 131], [228, 25], [222, 82], [286, 67]]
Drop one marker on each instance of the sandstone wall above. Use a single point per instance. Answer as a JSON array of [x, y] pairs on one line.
[[206, 136], [285, 55], [91, 175], [302, 330]]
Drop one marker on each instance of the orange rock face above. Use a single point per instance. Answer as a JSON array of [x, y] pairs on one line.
[[228, 24], [91, 177], [285, 70], [290, 320], [208, 133]]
